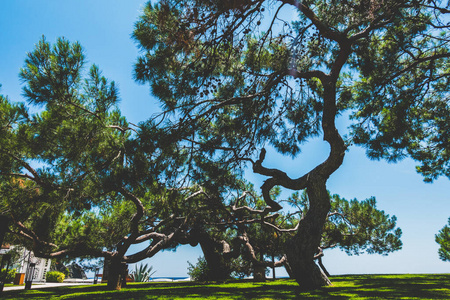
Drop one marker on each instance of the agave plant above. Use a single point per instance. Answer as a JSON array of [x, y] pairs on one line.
[[143, 273]]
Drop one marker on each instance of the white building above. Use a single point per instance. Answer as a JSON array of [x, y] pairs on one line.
[[25, 258]]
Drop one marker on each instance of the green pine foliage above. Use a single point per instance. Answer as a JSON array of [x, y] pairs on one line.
[[443, 239], [236, 77], [75, 142], [359, 226], [77, 179], [73, 174], [193, 53], [355, 226]]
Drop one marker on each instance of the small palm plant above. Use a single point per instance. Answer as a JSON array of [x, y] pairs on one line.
[[143, 273]]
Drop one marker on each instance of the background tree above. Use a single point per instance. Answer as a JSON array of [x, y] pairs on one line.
[[237, 77], [216, 230], [355, 227], [243, 232], [74, 181], [232, 239], [261, 233], [443, 239]]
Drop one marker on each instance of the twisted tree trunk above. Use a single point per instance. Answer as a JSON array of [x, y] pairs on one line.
[[3, 228], [319, 261], [259, 273], [300, 250], [302, 247], [217, 265], [116, 274]]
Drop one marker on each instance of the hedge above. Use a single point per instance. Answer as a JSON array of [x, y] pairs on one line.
[[55, 276]]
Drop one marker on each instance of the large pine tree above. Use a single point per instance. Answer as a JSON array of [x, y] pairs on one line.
[[237, 76]]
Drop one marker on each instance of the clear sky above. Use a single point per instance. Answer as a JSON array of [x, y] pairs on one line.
[[104, 27]]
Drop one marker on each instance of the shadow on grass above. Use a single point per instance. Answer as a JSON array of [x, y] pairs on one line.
[[423, 286], [345, 287]]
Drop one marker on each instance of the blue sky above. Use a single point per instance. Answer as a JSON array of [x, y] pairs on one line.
[[104, 27]]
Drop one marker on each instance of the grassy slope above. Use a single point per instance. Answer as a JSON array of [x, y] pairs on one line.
[[429, 286]]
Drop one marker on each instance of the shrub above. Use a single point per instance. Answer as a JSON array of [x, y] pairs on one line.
[[56, 265], [55, 276], [9, 276], [199, 271], [241, 268]]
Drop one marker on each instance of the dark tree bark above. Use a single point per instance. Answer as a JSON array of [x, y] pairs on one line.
[[302, 247], [288, 269], [319, 261], [300, 250], [217, 264], [259, 273], [116, 274], [124, 274], [3, 228], [273, 268]]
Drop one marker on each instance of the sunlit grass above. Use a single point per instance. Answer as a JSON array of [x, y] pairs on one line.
[[429, 286]]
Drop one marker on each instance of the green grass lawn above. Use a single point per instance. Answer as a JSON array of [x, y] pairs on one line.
[[429, 286]]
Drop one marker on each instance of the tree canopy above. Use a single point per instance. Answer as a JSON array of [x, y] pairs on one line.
[[235, 77], [74, 182]]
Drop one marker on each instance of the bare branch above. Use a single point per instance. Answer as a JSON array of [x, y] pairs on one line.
[[245, 240], [277, 178], [282, 230], [324, 30], [127, 241], [122, 129], [152, 249]]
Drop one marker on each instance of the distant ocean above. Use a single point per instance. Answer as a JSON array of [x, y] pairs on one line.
[[158, 278], [172, 278]]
